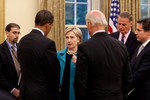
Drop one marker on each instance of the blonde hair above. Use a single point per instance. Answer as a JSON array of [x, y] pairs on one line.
[[76, 31]]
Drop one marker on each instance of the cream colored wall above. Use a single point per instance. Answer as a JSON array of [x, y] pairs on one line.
[[21, 12]]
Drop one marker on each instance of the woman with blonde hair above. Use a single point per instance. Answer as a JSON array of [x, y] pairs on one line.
[[67, 59]]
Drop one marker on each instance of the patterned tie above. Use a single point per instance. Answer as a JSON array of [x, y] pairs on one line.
[[122, 38], [15, 59]]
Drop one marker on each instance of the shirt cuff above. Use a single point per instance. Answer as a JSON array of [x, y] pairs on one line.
[[12, 90]]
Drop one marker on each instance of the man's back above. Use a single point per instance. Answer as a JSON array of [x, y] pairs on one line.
[[105, 68], [37, 56]]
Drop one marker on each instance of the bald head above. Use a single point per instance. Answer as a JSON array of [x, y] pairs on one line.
[[96, 17]]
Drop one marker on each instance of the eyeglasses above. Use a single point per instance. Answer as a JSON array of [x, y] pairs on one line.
[[15, 32]]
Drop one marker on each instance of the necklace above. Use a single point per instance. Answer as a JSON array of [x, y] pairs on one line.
[[70, 53]]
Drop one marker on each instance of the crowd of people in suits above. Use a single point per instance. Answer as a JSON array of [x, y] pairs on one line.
[[112, 66]]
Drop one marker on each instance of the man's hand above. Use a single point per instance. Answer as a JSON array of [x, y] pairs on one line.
[[16, 92]]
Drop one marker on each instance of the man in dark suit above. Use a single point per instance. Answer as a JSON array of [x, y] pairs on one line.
[[140, 62], [125, 34], [102, 68], [9, 87], [39, 64]]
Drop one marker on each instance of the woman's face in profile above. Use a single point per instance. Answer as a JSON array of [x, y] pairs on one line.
[[72, 40]]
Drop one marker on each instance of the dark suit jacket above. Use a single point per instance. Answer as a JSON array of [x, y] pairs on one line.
[[141, 74], [40, 67], [8, 74], [102, 69], [131, 42]]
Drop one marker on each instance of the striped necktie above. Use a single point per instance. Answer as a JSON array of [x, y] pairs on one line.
[[140, 49], [15, 59], [122, 38]]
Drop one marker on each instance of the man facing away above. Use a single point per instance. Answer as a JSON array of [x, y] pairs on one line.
[[102, 68], [140, 62], [125, 34], [9, 71], [39, 64]]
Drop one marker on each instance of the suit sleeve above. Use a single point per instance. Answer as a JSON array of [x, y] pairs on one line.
[[52, 67], [126, 77], [143, 70], [81, 73], [3, 82]]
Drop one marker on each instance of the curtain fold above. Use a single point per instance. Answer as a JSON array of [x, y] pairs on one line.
[[57, 7], [2, 19], [132, 6]]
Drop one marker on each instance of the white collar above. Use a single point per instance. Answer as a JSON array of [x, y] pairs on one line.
[[10, 45], [39, 30], [126, 35], [146, 42], [98, 31]]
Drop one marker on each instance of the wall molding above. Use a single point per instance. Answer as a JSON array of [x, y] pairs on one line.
[[2, 20]]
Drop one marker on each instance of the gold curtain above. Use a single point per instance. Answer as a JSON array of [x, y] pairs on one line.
[[57, 7], [2, 19], [132, 6]]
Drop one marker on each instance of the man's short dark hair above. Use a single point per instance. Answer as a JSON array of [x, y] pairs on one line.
[[43, 17], [126, 15], [145, 23], [11, 25]]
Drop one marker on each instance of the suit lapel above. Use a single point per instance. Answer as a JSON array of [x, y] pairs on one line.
[[144, 50], [130, 39], [117, 35], [8, 54], [134, 58], [140, 56], [62, 59], [38, 33]]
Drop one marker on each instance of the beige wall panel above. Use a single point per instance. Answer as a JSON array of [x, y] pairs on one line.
[[21, 12]]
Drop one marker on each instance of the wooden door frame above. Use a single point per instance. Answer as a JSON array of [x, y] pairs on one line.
[[2, 20]]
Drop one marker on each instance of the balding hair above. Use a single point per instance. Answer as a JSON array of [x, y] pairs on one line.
[[96, 17]]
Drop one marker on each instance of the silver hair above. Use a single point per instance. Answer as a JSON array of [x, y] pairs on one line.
[[96, 17]]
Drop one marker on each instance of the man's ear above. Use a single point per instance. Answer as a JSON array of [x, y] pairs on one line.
[[6, 32], [131, 23], [47, 24], [148, 32], [89, 24]]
